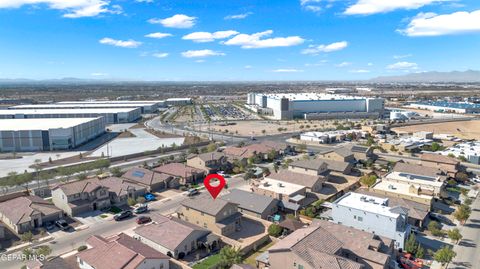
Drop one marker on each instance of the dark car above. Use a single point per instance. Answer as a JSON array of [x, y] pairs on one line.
[[62, 224], [143, 220], [149, 197], [49, 226], [123, 215]]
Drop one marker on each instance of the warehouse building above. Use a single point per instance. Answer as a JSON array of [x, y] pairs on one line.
[[146, 104], [309, 106], [448, 107], [144, 107], [109, 115], [48, 134], [178, 101]]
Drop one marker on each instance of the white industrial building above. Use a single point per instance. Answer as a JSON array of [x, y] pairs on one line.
[[285, 106], [330, 137], [109, 115], [178, 101], [469, 150], [372, 214], [144, 107], [403, 115], [448, 107], [146, 104], [48, 134]]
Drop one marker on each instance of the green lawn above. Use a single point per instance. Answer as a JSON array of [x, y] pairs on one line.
[[115, 210], [208, 263]]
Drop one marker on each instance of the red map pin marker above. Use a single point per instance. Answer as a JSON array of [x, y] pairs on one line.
[[214, 190]]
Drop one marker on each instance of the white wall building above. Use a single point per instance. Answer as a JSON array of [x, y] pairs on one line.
[[110, 115], [372, 214], [144, 107], [284, 106], [48, 134], [469, 150]]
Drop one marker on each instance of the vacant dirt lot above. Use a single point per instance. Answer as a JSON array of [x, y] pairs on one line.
[[461, 129], [256, 128]]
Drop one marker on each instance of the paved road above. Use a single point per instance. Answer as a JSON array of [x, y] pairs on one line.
[[65, 242], [468, 254]]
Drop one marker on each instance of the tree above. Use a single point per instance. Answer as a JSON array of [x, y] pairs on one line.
[[131, 201], [435, 146], [27, 237], [274, 230], [82, 176], [28, 253], [368, 180], [454, 235], [229, 256], [462, 213], [370, 141], [420, 252], [434, 228], [43, 251], [444, 255], [193, 150], [116, 171], [272, 154], [411, 245], [462, 176]]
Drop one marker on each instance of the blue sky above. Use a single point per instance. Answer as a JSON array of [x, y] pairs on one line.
[[236, 40]]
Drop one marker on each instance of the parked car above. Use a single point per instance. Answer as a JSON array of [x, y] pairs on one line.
[[49, 226], [62, 224], [475, 180], [141, 209], [192, 192], [143, 220], [123, 215], [149, 197]]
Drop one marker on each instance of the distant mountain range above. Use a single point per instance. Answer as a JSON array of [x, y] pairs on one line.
[[433, 77]]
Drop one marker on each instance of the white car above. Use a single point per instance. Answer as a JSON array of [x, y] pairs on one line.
[[475, 180]]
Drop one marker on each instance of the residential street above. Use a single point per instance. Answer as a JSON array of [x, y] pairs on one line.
[[468, 255], [65, 242]]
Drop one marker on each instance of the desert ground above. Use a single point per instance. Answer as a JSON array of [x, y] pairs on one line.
[[461, 129]]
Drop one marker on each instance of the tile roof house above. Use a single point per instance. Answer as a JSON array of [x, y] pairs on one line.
[[120, 251], [343, 154], [186, 174], [210, 162], [92, 194], [25, 213], [51, 263], [219, 216], [326, 245], [445, 163], [314, 167], [173, 237], [260, 149], [149, 179], [361, 153], [252, 204], [312, 182]]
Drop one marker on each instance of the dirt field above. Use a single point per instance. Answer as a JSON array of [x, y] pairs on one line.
[[255, 128], [461, 129]]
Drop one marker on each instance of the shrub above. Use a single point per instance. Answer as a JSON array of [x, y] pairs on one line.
[[81, 248], [131, 202], [274, 230]]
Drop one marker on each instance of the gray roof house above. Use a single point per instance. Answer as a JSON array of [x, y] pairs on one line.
[[252, 204], [312, 182], [149, 179]]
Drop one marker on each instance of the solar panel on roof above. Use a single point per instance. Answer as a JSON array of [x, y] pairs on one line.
[[138, 174]]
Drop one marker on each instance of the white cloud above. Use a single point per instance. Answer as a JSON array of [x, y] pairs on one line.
[[402, 56], [343, 64], [369, 64], [98, 74], [316, 49], [120, 43], [248, 67], [158, 35], [359, 71], [144, 1], [287, 70], [201, 53], [238, 16], [160, 54], [72, 8], [255, 41], [402, 66], [431, 24], [201, 37], [368, 7], [176, 21], [311, 5]]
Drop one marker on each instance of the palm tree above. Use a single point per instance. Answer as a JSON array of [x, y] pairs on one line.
[[229, 256]]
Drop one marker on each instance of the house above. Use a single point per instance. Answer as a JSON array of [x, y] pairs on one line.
[[291, 225], [185, 174], [26, 213], [120, 251], [252, 204], [260, 149], [372, 214], [175, 237], [93, 194], [314, 167], [291, 196], [150, 180], [417, 212], [210, 162], [445, 163], [326, 245], [361, 153], [219, 216], [312, 182], [421, 179], [402, 190], [338, 166], [343, 154]]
